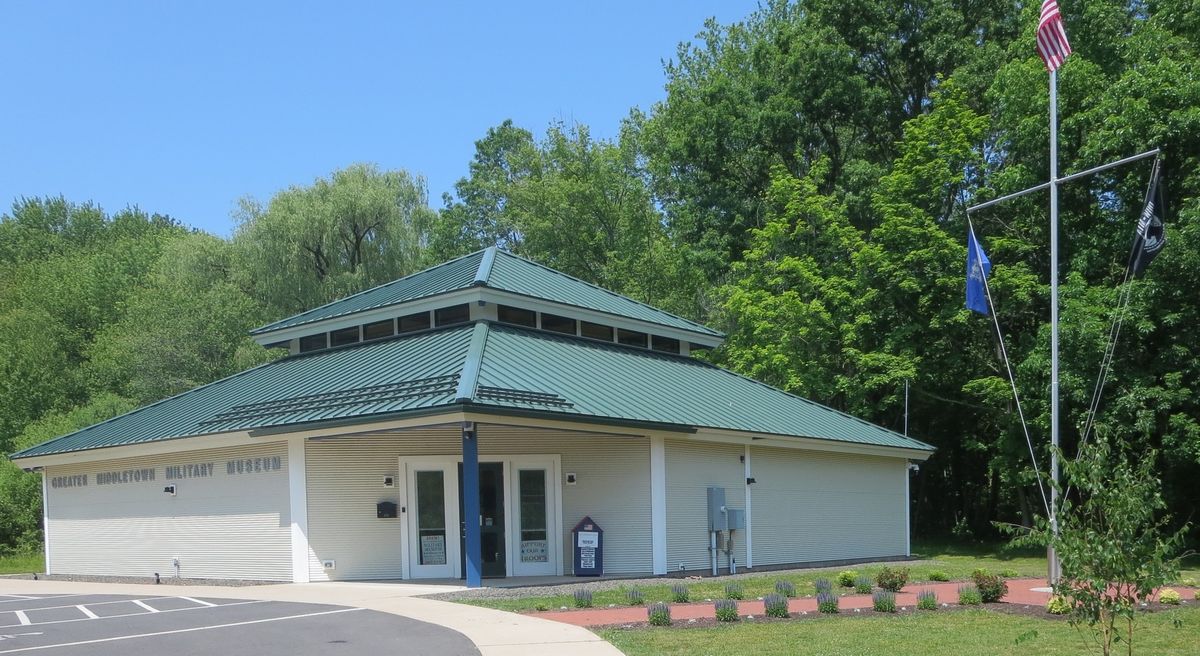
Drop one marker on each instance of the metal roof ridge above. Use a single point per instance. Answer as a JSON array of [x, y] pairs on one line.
[[468, 378], [610, 292], [268, 327], [144, 407], [485, 266]]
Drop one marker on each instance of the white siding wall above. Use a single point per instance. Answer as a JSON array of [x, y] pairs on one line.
[[691, 468], [223, 526], [813, 506], [345, 482]]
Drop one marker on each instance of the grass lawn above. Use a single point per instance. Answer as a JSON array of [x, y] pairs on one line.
[[923, 634], [956, 561], [22, 564]]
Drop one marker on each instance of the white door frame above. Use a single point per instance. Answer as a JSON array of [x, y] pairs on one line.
[[552, 463]]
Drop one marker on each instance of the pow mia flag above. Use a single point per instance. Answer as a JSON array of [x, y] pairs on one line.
[[1151, 236]]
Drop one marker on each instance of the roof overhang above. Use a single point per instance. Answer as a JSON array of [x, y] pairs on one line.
[[808, 444]]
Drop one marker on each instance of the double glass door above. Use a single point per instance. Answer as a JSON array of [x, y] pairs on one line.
[[518, 513]]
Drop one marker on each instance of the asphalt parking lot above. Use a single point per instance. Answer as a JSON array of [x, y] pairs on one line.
[[100, 625]]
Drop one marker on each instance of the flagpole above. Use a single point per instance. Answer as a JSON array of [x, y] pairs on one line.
[[1052, 555]]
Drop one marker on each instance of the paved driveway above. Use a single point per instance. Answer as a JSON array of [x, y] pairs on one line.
[[103, 624]]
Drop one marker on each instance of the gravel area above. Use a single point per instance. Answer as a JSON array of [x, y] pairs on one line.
[[569, 587], [82, 578]]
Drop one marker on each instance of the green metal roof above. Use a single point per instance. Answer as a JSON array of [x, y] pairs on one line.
[[486, 366], [492, 268]]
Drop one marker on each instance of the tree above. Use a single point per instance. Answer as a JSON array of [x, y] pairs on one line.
[[359, 228]]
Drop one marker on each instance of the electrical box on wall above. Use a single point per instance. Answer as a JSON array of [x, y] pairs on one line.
[[385, 510], [717, 517], [329, 564]]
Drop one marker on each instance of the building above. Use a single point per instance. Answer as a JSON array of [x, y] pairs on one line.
[[486, 401]]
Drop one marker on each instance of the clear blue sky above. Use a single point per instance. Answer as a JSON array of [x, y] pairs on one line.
[[183, 107]]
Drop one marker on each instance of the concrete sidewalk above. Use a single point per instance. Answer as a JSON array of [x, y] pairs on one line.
[[495, 633]]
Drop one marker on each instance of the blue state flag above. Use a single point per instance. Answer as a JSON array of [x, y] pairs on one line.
[[978, 268]]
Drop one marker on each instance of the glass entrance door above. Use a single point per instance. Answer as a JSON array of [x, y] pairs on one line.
[[433, 544], [491, 520], [535, 511]]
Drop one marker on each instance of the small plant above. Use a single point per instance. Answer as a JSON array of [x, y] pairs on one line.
[[541, 606], [938, 575], [884, 601], [1058, 605], [776, 605], [583, 598], [846, 579], [679, 593], [827, 602], [823, 585], [863, 584], [1009, 573], [634, 596], [659, 614], [892, 579], [734, 591], [1188, 581], [927, 600], [785, 588], [1170, 597], [991, 587], [727, 610], [968, 595]]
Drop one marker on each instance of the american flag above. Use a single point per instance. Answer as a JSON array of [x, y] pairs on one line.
[[1052, 41]]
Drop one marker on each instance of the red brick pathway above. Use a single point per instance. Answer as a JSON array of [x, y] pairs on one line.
[[1020, 591]]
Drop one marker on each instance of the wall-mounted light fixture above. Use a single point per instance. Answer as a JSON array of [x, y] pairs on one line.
[[170, 489]]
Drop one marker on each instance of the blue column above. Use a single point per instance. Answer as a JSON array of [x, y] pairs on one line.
[[470, 490]]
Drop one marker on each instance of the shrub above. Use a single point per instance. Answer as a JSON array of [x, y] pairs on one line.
[[727, 610], [846, 578], [734, 591], [1188, 581], [541, 606], [583, 598], [1169, 596], [827, 602], [892, 579], [927, 600], [634, 596], [679, 593], [775, 605], [863, 584], [884, 601], [968, 595], [659, 614], [1058, 605], [822, 585], [991, 587], [785, 588], [938, 575], [1009, 573]]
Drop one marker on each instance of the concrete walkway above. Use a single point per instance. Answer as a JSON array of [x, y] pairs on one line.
[[1020, 591], [495, 633]]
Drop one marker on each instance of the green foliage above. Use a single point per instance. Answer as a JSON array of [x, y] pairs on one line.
[[659, 614], [541, 607], [734, 591], [938, 575], [634, 596], [884, 601], [863, 584], [991, 588], [679, 593], [785, 588], [827, 602], [927, 600], [1009, 573], [583, 598], [968, 595], [775, 605], [822, 585], [892, 579], [1170, 597], [1058, 605], [726, 610], [846, 579]]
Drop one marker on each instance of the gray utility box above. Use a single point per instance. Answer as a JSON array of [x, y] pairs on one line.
[[720, 516], [736, 519]]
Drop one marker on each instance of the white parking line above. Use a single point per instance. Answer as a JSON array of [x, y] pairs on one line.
[[9, 601], [197, 601], [84, 609], [17, 596], [92, 603], [197, 628], [113, 617], [22, 617], [143, 604]]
